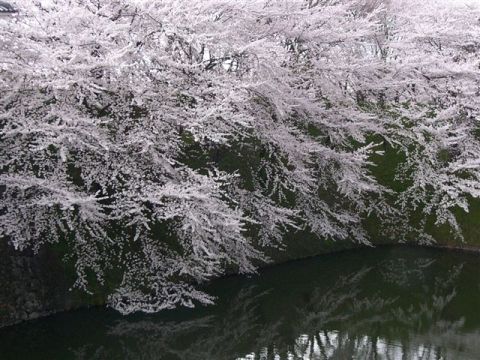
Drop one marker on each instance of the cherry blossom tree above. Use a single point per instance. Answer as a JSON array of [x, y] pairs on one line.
[[434, 88], [170, 141]]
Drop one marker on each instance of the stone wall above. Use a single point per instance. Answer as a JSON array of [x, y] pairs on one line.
[[33, 285]]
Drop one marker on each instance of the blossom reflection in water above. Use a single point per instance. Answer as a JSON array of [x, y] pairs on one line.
[[390, 303]]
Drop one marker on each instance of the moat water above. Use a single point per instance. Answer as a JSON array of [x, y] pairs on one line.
[[384, 303]]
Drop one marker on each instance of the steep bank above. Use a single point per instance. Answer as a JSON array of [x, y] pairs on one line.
[[36, 285], [39, 285]]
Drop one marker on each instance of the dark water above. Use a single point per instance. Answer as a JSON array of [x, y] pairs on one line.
[[386, 303]]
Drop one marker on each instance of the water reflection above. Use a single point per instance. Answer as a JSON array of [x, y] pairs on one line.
[[393, 303]]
